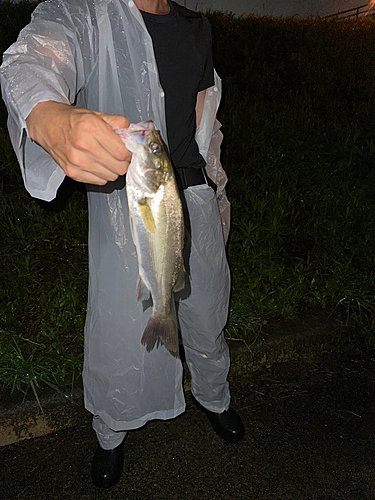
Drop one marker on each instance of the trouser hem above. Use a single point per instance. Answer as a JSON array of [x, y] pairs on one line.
[[116, 426]]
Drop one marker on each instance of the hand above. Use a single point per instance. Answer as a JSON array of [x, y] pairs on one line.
[[81, 141]]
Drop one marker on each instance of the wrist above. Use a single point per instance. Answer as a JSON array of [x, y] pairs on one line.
[[39, 115]]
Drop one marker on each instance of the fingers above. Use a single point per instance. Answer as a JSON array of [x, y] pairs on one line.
[[110, 141], [92, 165], [80, 175], [94, 152], [93, 146]]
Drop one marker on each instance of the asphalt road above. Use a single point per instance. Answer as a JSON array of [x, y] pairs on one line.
[[309, 435]]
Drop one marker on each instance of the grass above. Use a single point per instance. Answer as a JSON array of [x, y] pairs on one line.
[[43, 259], [302, 232], [299, 152], [298, 121]]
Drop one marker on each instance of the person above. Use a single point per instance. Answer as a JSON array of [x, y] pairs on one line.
[[80, 70]]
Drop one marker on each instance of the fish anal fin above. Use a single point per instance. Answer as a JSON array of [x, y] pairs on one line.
[[142, 290], [147, 216], [180, 283]]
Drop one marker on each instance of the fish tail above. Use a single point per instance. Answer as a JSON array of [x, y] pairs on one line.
[[161, 330]]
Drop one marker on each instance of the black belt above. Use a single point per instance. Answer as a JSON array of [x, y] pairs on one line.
[[190, 176]]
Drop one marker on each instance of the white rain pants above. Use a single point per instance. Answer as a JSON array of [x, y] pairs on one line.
[[125, 386]]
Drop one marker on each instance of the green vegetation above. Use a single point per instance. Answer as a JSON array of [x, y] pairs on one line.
[[298, 121], [43, 258]]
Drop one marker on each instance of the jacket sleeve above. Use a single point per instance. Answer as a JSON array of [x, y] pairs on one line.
[[45, 63], [209, 139]]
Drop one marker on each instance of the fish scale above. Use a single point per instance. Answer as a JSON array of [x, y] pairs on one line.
[[156, 220]]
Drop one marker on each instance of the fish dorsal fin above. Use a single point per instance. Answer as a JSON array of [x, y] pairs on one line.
[[147, 216]]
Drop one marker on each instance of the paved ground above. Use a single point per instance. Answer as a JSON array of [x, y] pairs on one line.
[[310, 435]]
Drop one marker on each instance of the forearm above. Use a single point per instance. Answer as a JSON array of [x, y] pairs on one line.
[[38, 120]]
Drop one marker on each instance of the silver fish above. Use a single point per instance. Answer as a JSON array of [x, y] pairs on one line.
[[156, 221]]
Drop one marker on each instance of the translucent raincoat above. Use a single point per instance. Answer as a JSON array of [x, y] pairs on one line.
[[98, 55]]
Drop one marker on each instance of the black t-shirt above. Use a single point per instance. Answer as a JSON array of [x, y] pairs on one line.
[[182, 46]]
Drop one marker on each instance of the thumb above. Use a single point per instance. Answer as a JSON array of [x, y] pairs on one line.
[[115, 121]]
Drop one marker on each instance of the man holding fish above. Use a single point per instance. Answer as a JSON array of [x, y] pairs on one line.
[[92, 86]]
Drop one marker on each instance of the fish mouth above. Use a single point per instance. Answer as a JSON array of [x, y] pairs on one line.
[[141, 129], [145, 127], [136, 134], [132, 139]]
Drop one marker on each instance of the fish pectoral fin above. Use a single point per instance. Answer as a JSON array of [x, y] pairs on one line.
[[132, 228], [147, 216], [142, 290], [180, 283]]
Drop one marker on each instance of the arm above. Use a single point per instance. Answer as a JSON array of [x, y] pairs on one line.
[[81, 142]]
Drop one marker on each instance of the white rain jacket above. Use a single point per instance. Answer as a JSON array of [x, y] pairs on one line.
[[98, 54]]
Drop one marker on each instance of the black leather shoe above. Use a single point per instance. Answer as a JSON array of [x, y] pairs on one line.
[[107, 466], [227, 425]]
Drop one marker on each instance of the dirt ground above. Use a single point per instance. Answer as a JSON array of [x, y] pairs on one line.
[[309, 435]]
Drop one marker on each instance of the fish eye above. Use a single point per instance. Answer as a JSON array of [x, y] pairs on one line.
[[155, 148]]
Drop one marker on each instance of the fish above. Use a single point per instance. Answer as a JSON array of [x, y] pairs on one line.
[[157, 227]]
